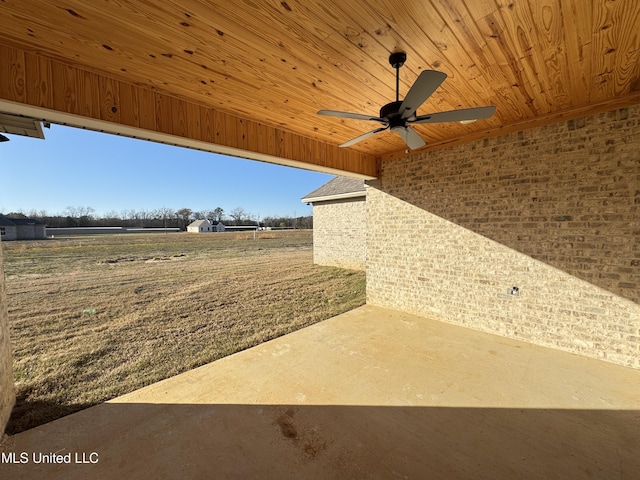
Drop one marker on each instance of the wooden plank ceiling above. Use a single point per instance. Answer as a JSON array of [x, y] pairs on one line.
[[273, 64]]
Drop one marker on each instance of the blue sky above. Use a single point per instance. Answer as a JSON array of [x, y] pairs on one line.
[[74, 167]]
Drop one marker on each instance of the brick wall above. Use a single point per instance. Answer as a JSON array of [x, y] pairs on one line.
[[553, 210], [339, 233], [7, 395]]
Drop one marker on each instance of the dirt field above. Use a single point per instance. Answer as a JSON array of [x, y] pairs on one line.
[[92, 318]]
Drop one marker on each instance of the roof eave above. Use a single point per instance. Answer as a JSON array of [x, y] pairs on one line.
[[338, 196]]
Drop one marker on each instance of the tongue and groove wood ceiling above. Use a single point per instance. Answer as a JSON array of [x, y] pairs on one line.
[[276, 63]]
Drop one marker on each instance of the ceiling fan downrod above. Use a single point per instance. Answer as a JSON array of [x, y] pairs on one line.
[[392, 109], [397, 60]]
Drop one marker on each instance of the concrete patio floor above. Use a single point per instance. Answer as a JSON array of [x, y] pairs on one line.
[[373, 393]]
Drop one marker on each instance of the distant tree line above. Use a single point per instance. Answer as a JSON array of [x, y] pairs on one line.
[[159, 218]]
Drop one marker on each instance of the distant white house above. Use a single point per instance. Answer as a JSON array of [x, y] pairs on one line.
[[21, 229], [199, 226], [218, 226], [205, 226]]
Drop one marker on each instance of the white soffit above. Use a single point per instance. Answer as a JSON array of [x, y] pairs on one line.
[[338, 196], [20, 125]]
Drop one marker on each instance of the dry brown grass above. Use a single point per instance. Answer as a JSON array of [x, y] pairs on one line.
[[163, 304]]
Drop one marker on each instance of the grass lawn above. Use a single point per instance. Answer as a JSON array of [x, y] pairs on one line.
[[95, 317]]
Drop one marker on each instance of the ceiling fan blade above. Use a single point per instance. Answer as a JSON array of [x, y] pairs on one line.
[[462, 115], [410, 137], [424, 86], [362, 137], [355, 116]]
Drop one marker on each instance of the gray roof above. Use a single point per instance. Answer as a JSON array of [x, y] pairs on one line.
[[10, 222], [339, 187], [197, 223]]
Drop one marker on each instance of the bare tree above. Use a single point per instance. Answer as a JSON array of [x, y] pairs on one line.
[[124, 214], [217, 214], [134, 218], [88, 211], [71, 212], [165, 215], [82, 215], [145, 216], [238, 214], [111, 218], [184, 214]]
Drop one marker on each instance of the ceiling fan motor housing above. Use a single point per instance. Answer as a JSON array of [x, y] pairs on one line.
[[397, 59], [391, 112]]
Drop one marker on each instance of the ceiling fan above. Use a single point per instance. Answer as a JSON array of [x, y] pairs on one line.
[[399, 115]]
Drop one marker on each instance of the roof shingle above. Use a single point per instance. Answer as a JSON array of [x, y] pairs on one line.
[[337, 187], [12, 222]]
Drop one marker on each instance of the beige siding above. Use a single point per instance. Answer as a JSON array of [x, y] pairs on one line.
[[31, 232], [339, 233], [24, 232], [552, 210], [10, 233], [7, 395]]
